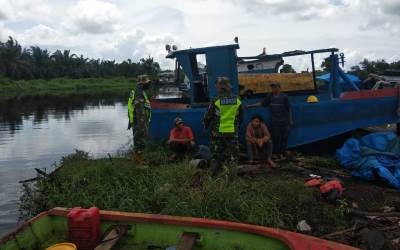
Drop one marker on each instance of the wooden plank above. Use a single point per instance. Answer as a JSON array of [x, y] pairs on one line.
[[187, 241], [109, 241]]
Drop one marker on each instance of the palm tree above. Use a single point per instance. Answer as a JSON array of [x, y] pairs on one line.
[[150, 67], [79, 67], [40, 60], [62, 62], [108, 68], [14, 60]]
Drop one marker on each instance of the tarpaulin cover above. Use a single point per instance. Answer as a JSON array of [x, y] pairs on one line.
[[327, 78], [374, 156]]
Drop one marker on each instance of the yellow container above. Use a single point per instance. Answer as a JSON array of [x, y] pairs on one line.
[[62, 246]]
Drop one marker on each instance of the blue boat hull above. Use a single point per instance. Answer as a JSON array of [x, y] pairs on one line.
[[312, 121]]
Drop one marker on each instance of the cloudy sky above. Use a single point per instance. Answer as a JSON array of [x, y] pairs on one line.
[[124, 29]]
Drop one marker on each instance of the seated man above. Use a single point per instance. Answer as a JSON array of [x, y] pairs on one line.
[[258, 141], [181, 140]]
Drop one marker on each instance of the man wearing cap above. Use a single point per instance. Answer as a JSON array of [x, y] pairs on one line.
[[139, 113], [181, 140], [224, 115], [281, 117]]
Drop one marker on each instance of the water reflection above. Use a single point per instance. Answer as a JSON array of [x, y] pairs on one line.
[[35, 135]]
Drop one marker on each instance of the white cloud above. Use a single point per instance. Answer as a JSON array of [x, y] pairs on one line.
[[5, 33], [134, 29], [42, 35], [92, 16], [379, 15], [163, 19], [299, 10], [137, 44], [3, 15], [26, 9]]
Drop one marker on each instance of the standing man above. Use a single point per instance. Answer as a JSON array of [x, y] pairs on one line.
[[224, 115], [281, 117], [139, 113]]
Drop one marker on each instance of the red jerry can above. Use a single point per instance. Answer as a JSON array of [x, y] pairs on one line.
[[84, 227]]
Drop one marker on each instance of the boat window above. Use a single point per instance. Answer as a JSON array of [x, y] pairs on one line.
[[250, 66], [200, 84], [201, 61]]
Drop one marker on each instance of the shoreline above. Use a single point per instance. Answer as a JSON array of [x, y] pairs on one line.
[[65, 88]]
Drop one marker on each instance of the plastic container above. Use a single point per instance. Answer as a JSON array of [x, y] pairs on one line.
[[84, 227], [62, 246]]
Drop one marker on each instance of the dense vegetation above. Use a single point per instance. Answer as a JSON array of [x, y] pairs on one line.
[[177, 189], [116, 87], [366, 67], [34, 62]]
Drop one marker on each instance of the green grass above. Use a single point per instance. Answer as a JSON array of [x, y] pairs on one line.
[[63, 87], [325, 162], [177, 189]]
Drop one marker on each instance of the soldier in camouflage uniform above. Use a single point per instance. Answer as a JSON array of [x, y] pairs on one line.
[[224, 115], [139, 113]]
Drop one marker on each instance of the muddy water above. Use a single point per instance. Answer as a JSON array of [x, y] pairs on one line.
[[36, 136]]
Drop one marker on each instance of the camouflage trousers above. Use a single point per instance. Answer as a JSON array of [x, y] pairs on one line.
[[140, 135], [224, 150]]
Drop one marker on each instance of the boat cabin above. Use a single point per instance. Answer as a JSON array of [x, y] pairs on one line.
[[220, 61]]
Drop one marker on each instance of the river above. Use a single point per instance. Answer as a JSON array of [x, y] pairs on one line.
[[36, 135]]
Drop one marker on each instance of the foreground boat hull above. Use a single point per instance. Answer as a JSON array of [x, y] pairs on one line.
[[162, 231]]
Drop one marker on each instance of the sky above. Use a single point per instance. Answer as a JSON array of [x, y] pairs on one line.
[[123, 29]]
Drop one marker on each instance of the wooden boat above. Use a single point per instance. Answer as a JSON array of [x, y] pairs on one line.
[[339, 110], [152, 231]]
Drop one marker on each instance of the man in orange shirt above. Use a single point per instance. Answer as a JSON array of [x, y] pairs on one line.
[[181, 140]]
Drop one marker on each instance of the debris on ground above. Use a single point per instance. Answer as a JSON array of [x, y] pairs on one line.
[[302, 226]]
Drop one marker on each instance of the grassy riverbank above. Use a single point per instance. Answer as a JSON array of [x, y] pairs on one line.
[[64, 87], [276, 199]]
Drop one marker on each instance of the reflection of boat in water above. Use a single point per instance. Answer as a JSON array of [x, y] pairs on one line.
[[338, 110], [153, 231]]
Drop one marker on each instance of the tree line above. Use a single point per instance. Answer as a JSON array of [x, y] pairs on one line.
[[366, 67], [362, 70], [34, 62]]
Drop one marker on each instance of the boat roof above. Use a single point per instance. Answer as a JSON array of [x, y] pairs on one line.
[[263, 59], [290, 53], [202, 50]]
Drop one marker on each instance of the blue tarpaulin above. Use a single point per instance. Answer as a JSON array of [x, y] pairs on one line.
[[374, 156], [327, 77]]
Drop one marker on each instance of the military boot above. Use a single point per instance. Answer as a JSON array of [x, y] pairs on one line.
[[138, 160], [215, 168]]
